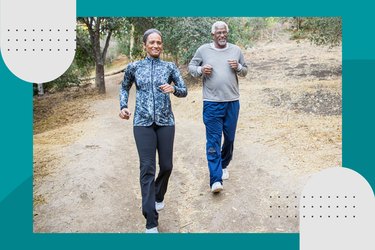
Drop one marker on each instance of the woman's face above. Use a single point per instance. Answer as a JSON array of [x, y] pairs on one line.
[[154, 45]]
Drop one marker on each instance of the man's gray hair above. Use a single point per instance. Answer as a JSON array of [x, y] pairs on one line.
[[218, 24]]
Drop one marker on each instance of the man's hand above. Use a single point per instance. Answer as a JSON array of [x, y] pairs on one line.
[[125, 114], [206, 69], [233, 64]]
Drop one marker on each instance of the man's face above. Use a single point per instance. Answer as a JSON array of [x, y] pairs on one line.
[[153, 45], [220, 37]]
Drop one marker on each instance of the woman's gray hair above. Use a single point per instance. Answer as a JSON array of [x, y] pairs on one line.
[[218, 24], [149, 32]]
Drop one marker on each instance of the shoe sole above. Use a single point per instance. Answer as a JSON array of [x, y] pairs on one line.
[[159, 209], [217, 190]]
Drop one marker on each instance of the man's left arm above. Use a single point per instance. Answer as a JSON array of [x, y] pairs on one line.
[[242, 67]]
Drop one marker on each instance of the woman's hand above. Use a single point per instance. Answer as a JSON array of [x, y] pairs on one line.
[[166, 88], [125, 114]]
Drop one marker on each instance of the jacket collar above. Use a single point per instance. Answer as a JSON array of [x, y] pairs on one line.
[[150, 59]]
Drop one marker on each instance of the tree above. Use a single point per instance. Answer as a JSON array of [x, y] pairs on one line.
[[181, 35], [322, 30], [325, 31], [186, 35], [99, 27]]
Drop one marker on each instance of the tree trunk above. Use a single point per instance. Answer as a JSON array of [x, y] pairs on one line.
[[93, 25], [131, 42], [40, 89], [299, 23], [99, 62], [176, 59], [99, 78]]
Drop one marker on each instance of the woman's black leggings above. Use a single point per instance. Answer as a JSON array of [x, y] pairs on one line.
[[148, 140]]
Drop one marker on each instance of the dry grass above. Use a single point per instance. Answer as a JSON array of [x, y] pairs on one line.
[[39, 200], [55, 110], [52, 115]]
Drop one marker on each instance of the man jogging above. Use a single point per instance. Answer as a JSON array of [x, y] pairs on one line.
[[219, 63]]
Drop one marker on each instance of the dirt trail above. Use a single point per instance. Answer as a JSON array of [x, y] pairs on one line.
[[92, 182]]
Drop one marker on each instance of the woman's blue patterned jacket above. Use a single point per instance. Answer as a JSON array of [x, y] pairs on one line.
[[152, 105]]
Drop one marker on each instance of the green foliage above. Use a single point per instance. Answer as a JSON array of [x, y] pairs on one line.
[[183, 35], [297, 35], [71, 77], [321, 30], [115, 24], [83, 57], [238, 30], [245, 31], [123, 45], [183, 38], [140, 25], [256, 27], [81, 66]]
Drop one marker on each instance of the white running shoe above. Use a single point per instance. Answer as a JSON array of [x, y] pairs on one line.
[[159, 205], [153, 230], [217, 187], [225, 175]]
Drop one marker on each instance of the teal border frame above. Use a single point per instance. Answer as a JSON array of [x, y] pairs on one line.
[[16, 213]]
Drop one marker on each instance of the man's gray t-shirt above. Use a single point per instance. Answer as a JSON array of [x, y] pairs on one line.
[[222, 84]]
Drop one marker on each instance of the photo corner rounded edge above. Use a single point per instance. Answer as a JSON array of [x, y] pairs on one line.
[[38, 46]]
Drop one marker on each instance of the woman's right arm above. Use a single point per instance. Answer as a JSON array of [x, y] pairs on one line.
[[126, 85]]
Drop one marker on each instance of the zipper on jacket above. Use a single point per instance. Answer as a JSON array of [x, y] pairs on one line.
[[152, 86]]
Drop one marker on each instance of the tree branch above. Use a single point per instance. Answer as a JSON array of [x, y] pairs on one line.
[[106, 45]]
